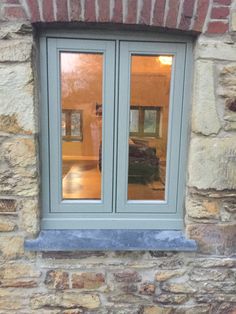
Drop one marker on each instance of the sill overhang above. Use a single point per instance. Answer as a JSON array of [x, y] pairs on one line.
[[111, 240]]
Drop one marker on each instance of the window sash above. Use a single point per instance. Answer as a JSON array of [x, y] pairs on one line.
[[107, 48], [127, 49]]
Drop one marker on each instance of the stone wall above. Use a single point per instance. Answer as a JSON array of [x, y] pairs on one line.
[[121, 282]]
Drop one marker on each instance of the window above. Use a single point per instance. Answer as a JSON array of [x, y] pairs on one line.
[[113, 135]]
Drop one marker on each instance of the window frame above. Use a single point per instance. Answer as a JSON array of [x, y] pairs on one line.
[[76, 220]]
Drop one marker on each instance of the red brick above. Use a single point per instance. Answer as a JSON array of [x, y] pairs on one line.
[[187, 14], [103, 10], [132, 12], [159, 12], [117, 14], [62, 10], [75, 10], [14, 13], [219, 13], [146, 12], [34, 10], [48, 12], [217, 28], [223, 2], [90, 13], [201, 14], [172, 15]]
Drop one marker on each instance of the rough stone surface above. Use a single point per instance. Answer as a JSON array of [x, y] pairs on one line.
[[15, 50], [57, 279], [17, 98], [6, 224], [212, 163], [233, 21], [204, 100], [202, 208], [87, 280]]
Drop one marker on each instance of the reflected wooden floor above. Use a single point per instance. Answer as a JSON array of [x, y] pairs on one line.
[[82, 180]]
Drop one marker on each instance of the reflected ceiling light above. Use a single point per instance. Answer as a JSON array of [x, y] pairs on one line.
[[167, 60]]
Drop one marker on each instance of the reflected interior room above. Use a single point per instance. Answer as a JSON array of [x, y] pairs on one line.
[[81, 102]]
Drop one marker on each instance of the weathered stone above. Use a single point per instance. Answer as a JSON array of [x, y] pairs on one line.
[[212, 163], [6, 225], [29, 216], [17, 95], [12, 301], [15, 50], [227, 88], [18, 167], [127, 298], [165, 275], [157, 310], [213, 262], [215, 48], [9, 124], [87, 280], [209, 274], [225, 308], [212, 298], [218, 287], [72, 255], [129, 287], [167, 298], [127, 276], [202, 208], [19, 275], [230, 206], [73, 311], [11, 247], [147, 288], [15, 30], [204, 116], [8, 205], [65, 300], [178, 287], [193, 309], [233, 21], [57, 279], [216, 239]]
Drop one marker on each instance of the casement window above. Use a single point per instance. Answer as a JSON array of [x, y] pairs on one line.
[[113, 131]]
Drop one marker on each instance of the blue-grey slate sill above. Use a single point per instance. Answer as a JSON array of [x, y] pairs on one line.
[[111, 240]]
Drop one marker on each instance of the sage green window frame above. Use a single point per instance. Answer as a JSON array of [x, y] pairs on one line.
[[113, 211]]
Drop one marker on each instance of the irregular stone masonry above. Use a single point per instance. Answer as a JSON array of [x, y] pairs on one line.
[[121, 282]]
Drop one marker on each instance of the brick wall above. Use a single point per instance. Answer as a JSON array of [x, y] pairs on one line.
[[206, 16], [122, 282]]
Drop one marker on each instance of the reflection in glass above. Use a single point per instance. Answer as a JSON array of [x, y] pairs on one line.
[[81, 125], [149, 110]]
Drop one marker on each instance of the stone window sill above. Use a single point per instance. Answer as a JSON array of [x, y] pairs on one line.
[[111, 240]]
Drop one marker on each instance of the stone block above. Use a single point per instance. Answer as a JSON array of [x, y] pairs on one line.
[[147, 288], [178, 287], [15, 30], [65, 300], [8, 205], [202, 208], [57, 279], [206, 275], [157, 310], [19, 276], [18, 167], [212, 163], [170, 298], [11, 247], [17, 98], [29, 216], [87, 280], [7, 225], [18, 50], [127, 276], [222, 48], [164, 275], [204, 115], [215, 239]]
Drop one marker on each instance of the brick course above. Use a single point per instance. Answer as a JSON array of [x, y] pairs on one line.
[[192, 15]]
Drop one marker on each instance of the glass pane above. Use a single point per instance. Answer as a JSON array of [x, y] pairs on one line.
[[150, 89], [150, 121], [134, 120], [81, 92]]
